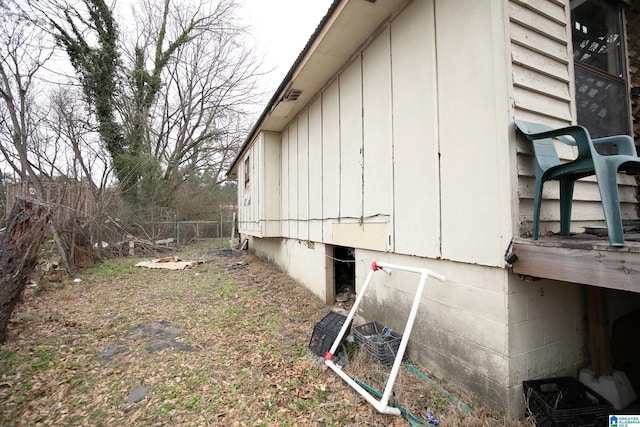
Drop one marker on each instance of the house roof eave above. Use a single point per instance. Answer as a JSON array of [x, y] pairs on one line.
[[286, 82]]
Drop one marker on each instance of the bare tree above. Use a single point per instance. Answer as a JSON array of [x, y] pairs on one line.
[[199, 118], [23, 52], [73, 134]]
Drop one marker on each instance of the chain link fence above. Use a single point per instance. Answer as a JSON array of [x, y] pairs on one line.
[[184, 232]]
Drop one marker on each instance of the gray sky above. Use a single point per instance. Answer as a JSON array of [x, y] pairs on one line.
[[282, 28]]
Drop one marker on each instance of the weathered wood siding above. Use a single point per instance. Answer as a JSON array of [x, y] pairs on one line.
[[542, 74]]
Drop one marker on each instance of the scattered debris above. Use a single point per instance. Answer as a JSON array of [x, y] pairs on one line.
[[431, 419], [235, 266], [133, 246], [343, 297], [226, 252], [169, 263]]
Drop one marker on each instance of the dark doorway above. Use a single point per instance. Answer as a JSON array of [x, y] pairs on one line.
[[344, 270]]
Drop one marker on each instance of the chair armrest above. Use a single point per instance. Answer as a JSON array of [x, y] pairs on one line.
[[625, 144], [575, 132], [561, 134]]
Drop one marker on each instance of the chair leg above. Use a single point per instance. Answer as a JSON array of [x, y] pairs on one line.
[[566, 199], [537, 200], [608, 187]]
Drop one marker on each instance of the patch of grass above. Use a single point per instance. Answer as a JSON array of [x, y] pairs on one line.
[[226, 290], [109, 268], [8, 361], [438, 402], [42, 358]]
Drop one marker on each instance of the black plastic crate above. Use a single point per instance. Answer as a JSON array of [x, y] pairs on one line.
[[565, 402], [326, 331], [378, 341]]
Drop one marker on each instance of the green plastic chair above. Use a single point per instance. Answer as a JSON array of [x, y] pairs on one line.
[[588, 162]]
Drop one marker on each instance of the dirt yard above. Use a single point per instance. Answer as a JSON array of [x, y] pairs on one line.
[[223, 343]]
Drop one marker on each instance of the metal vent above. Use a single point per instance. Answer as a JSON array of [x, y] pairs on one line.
[[292, 95]]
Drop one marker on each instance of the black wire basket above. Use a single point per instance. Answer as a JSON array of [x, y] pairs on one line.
[[380, 341]]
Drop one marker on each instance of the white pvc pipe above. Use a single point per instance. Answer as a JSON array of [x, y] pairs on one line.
[[382, 404], [410, 269], [405, 340], [378, 404]]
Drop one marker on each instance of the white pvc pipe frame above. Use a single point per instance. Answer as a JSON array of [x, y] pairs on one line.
[[382, 404]]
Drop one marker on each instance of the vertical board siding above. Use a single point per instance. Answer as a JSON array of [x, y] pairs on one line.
[[316, 175], [284, 181], [351, 141], [272, 186], [376, 88], [292, 217], [416, 213], [303, 176], [366, 149], [330, 157], [257, 181], [475, 160]]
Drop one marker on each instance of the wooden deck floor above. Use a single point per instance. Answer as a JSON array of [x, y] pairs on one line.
[[583, 258]]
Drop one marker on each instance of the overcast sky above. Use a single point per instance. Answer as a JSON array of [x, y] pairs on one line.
[[282, 28]]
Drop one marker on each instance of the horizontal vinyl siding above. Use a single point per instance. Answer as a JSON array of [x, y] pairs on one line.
[[540, 59], [542, 73]]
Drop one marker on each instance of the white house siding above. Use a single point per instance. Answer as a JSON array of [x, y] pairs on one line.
[[316, 173], [270, 203], [377, 156], [294, 182], [303, 176], [351, 143], [284, 183], [473, 108], [330, 117], [249, 193], [416, 171]]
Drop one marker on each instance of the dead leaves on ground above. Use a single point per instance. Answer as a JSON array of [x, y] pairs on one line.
[[245, 359]]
